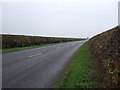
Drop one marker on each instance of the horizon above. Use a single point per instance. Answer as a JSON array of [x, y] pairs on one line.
[[54, 36], [59, 19], [43, 36]]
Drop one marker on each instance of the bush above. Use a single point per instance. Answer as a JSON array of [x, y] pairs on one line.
[[12, 41], [105, 49]]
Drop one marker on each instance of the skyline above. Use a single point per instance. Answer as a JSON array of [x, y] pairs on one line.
[[59, 19]]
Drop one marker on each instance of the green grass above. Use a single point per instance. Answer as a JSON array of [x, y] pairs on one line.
[[28, 47], [79, 72]]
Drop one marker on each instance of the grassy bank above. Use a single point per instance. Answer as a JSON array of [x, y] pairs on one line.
[[22, 48], [80, 72], [96, 64]]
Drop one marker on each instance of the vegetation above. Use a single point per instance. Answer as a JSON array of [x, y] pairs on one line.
[[80, 72], [27, 47], [96, 64], [13, 41], [105, 49]]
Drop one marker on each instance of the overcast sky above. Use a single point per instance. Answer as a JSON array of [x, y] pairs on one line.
[[62, 19]]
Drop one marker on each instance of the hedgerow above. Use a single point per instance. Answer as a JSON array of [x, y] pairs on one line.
[[12, 41], [105, 49]]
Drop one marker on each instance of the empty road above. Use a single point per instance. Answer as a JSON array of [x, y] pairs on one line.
[[38, 67]]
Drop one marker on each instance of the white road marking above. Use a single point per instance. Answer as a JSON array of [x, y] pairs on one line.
[[34, 55], [58, 47]]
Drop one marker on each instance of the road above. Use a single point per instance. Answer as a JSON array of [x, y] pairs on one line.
[[37, 68]]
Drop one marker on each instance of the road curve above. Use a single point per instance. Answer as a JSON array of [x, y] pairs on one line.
[[36, 68]]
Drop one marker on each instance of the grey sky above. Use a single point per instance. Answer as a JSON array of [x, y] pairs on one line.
[[64, 19], [119, 13]]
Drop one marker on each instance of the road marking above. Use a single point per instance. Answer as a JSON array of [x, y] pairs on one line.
[[58, 47], [34, 55]]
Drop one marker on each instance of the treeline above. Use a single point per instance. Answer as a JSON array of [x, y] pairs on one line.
[[12, 41], [105, 49]]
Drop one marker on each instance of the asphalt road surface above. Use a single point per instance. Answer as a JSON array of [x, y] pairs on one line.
[[37, 68]]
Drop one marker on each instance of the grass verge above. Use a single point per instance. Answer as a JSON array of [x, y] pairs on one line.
[[80, 71], [28, 47]]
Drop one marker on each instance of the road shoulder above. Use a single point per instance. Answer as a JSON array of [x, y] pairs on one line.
[[79, 72]]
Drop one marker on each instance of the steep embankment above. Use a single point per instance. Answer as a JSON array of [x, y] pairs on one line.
[[96, 64], [105, 50]]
